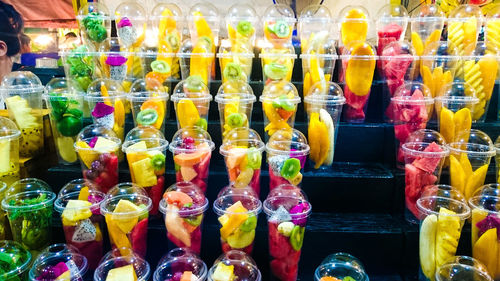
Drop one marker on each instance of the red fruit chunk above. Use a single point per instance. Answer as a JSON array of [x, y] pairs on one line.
[[429, 164], [202, 168], [353, 100], [139, 236], [155, 193], [401, 132], [279, 245], [285, 114], [255, 182], [283, 271], [275, 181], [200, 183]]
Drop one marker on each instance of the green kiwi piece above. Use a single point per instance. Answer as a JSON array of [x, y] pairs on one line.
[[244, 28], [232, 71], [194, 221], [250, 223], [275, 71], [202, 123], [208, 41], [147, 117], [236, 120], [281, 29], [158, 161], [160, 66], [297, 237], [254, 158], [194, 83], [290, 168], [173, 41]]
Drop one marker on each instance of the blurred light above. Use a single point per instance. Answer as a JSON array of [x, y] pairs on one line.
[[151, 40], [262, 43], [43, 40]]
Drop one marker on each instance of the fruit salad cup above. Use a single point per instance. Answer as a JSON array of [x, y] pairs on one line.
[[314, 26], [15, 261], [241, 22], [28, 204], [22, 93], [462, 268], [287, 152], [287, 210], [123, 268], [192, 149], [234, 265], [235, 66], [235, 100], [277, 63], [323, 106], [485, 223], [242, 150], [64, 266], [118, 62], [64, 98], [279, 100], [95, 22], [358, 68], [196, 58], [424, 153], [464, 25], [130, 23], [391, 22], [97, 148], [355, 23], [191, 98], [126, 210], [82, 220], [185, 267], [149, 105], [427, 23], [184, 205], [9, 151], [340, 266], [237, 210], [106, 99], [318, 64], [279, 21], [441, 225], [79, 65], [411, 106], [145, 148]]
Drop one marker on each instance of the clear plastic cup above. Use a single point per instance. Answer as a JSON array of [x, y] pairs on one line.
[[28, 204], [411, 108], [183, 206], [17, 261], [492, 21], [140, 267], [130, 23], [340, 269], [235, 66], [119, 62], [79, 65], [204, 21], [358, 68], [82, 220], [344, 258], [318, 63], [242, 150], [237, 209], [279, 21], [126, 210], [324, 107], [279, 100], [9, 151], [192, 149], [70, 266], [4, 222], [64, 98], [314, 26], [57, 249], [179, 266], [277, 63], [197, 58], [160, 68], [235, 100], [97, 148], [354, 24], [238, 264], [95, 21], [118, 252], [22, 93], [464, 25], [391, 22], [191, 98], [427, 22], [287, 151], [441, 222], [424, 153], [287, 210], [149, 105], [462, 268], [241, 23]]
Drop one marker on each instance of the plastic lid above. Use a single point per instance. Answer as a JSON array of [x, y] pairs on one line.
[[131, 10], [279, 12], [346, 11], [118, 252], [277, 89], [405, 94], [157, 12], [199, 204], [187, 47], [21, 82], [78, 263], [178, 253], [288, 142], [231, 54], [340, 271], [392, 14], [443, 190], [235, 255], [315, 13], [100, 87], [243, 265], [27, 185], [143, 132], [93, 7], [90, 134], [95, 198], [56, 249], [230, 190], [419, 140], [287, 196], [492, 189], [235, 91], [487, 199], [208, 11], [130, 192], [63, 87], [126, 188], [8, 129], [325, 93], [465, 12], [20, 259], [16, 202], [230, 195], [428, 12], [462, 268], [198, 135], [145, 88], [432, 204], [345, 258], [167, 267], [192, 88], [141, 267], [76, 185], [242, 11], [457, 93], [474, 142], [241, 138]]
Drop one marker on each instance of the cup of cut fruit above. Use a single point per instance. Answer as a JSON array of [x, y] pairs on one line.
[[197, 58], [314, 25], [355, 24], [204, 21], [95, 21], [9, 151], [241, 22], [123, 268], [462, 268], [234, 265], [64, 266], [391, 23], [277, 63], [318, 64], [15, 261], [279, 21], [148, 101], [191, 98], [427, 23]]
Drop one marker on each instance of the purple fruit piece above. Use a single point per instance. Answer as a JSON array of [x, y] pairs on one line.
[[177, 276], [93, 141], [302, 158], [97, 166], [101, 110], [298, 214], [116, 60], [491, 221], [124, 22], [188, 140]]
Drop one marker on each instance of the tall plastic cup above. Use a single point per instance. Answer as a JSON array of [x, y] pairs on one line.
[[179, 267], [236, 265], [79, 65], [287, 210], [277, 63], [355, 24], [464, 25], [131, 266], [148, 104], [196, 58], [427, 22], [391, 22], [22, 93], [318, 66], [324, 107], [241, 23], [191, 98], [9, 147], [95, 21], [279, 21], [17, 261], [462, 268], [314, 26], [235, 63], [66, 266], [130, 23], [119, 63], [441, 222]]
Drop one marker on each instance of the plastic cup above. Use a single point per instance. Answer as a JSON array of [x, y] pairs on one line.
[[9, 147], [358, 68], [235, 66], [196, 58], [243, 267], [73, 266], [355, 24], [95, 21], [427, 23], [462, 268], [192, 149], [277, 63], [16, 262], [22, 93], [183, 206], [28, 204], [204, 20], [391, 23], [235, 100], [130, 23], [339, 270], [279, 100], [99, 164], [241, 23], [424, 152], [464, 25], [279, 21], [242, 150], [79, 65], [314, 26], [344, 258], [318, 67], [117, 62], [237, 210], [287, 210], [283, 149], [191, 98], [411, 108], [56, 249], [4, 222], [175, 267], [141, 267], [492, 20], [149, 106], [127, 221]]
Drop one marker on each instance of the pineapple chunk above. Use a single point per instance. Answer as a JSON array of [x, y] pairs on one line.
[[124, 273], [237, 215], [447, 235], [144, 173], [103, 145], [223, 272], [126, 222], [77, 210], [4, 156]]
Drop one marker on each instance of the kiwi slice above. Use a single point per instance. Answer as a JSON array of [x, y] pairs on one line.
[[297, 237], [281, 29], [254, 158], [147, 117], [194, 83], [194, 221], [173, 40], [232, 71], [283, 102], [160, 66], [158, 162], [291, 168], [249, 224], [275, 71], [207, 40], [244, 28], [202, 123], [236, 120]]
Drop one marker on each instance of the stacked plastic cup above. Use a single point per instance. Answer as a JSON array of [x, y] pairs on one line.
[[130, 22], [192, 149], [127, 266], [179, 264], [241, 23], [97, 148], [63, 266], [324, 107], [9, 151], [424, 152], [287, 210], [148, 102], [95, 21], [279, 21], [234, 265], [237, 210], [22, 93], [314, 26], [391, 22], [277, 63], [341, 266], [191, 98], [464, 25], [427, 23], [442, 190], [235, 100], [183, 206], [17, 263], [28, 204], [79, 65], [318, 63], [235, 63], [279, 100], [441, 222], [355, 25], [462, 268]]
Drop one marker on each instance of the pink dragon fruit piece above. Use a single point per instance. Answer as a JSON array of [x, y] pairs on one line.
[[124, 22], [298, 214]]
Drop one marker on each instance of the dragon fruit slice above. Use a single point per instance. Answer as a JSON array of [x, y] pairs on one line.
[[84, 232], [280, 215], [491, 221]]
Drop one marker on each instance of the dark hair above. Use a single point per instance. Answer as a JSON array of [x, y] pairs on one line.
[[11, 24], [25, 39]]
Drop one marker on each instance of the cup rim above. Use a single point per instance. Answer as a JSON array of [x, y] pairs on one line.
[[139, 259], [176, 150], [324, 56], [359, 57], [14, 134], [38, 206], [276, 55], [224, 151], [162, 147], [117, 141], [268, 211], [247, 98], [426, 212], [58, 204], [197, 211], [450, 265], [324, 100], [206, 97], [345, 265], [204, 269], [12, 90], [212, 269], [474, 200], [161, 95], [92, 97], [434, 57], [457, 99], [81, 269], [190, 54], [407, 100], [265, 98], [398, 57], [302, 152], [108, 200], [231, 54], [453, 150], [427, 154], [220, 211]]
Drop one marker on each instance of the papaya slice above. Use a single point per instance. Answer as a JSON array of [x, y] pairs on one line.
[[359, 72]]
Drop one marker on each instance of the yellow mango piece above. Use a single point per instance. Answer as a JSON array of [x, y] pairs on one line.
[[465, 164], [470, 35], [237, 215], [84, 194], [271, 113], [475, 181], [354, 27], [328, 77], [417, 43], [116, 236], [124, 273], [307, 83], [486, 250], [428, 79], [435, 36], [359, 72], [201, 25], [312, 134], [119, 113], [126, 215], [477, 216], [187, 113], [463, 122], [489, 68], [86, 154], [446, 124], [317, 74], [323, 144], [457, 175], [437, 78]]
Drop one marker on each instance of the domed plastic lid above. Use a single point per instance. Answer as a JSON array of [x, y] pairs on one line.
[[474, 142], [278, 89], [8, 129], [46, 265], [340, 271], [288, 142], [118, 252], [126, 188], [146, 88], [158, 12], [130, 192], [208, 11], [76, 185], [323, 47], [344, 258], [242, 138], [492, 189], [431, 205], [63, 87], [346, 11], [178, 260], [190, 139], [457, 94], [143, 132], [315, 13], [199, 201], [418, 141], [192, 88], [413, 93], [289, 197], [325, 93], [235, 91], [27, 185], [94, 131], [487, 198], [465, 12], [462, 268], [16, 259], [230, 191], [230, 195], [279, 12], [98, 9], [242, 11], [21, 82], [94, 197], [57, 249], [440, 50], [104, 87], [443, 190], [427, 13], [141, 267], [392, 14], [286, 52], [178, 253], [235, 255], [131, 10]]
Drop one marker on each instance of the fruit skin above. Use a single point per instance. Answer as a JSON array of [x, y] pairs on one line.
[[427, 246]]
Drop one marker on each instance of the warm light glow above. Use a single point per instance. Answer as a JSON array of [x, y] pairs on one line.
[[151, 39], [262, 43], [43, 40]]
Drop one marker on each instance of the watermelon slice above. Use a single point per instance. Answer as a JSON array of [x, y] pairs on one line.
[[139, 237], [429, 164], [155, 193], [275, 181], [389, 33], [255, 182], [354, 106], [279, 245]]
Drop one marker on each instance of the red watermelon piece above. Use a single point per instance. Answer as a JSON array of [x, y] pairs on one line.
[[353, 100], [139, 237], [202, 168], [428, 164], [255, 182], [284, 271], [275, 181], [389, 33], [279, 246], [156, 193]]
